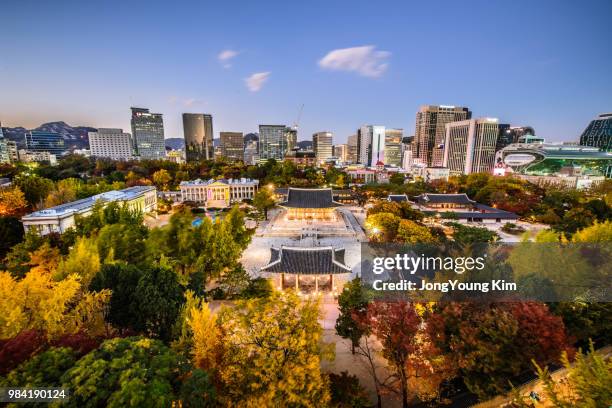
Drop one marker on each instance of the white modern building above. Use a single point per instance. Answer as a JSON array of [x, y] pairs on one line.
[[60, 218], [470, 144], [378, 145], [218, 193], [111, 143], [322, 144]]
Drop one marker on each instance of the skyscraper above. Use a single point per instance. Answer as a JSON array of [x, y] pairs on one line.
[[148, 134], [40, 141], [250, 152], [352, 149], [341, 152], [111, 143], [469, 146], [4, 152], [599, 133], [322, 144], [430, 131], [393, 147], [273, 143], [364, 144], [291, 135], [377, 149], [232, 145], [198, 133]]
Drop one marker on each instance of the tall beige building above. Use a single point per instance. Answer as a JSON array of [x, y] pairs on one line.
[[393, 147], [232, 145], [352, 149], [469, 145], [322, 144], [341, 152], [430, 131]]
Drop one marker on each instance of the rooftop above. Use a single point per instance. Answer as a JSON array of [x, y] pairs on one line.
[[429, 198], [81, 205], [308, 261], [310, 198], [200, 182], [398, 198]]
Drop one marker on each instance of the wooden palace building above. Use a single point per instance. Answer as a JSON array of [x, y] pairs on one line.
[[310, 204], [306, 269]]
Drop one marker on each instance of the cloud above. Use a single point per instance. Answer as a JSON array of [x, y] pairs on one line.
[[187, 103], [226, 56], [256, 81], [365, 61]]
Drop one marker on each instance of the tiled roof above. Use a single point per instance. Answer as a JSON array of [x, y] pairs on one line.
[[398, 198], [429, 198], [307, 261], [310, 198]]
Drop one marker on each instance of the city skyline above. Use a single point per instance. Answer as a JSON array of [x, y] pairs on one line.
[[532, 69]]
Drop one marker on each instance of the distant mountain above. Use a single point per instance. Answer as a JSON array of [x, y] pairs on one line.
[[305, 145], [175, 143], [75, 137], [250, 137]]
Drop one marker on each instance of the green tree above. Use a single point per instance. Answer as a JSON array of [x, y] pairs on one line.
[[472, 235], [11, 234], [352, 302], [43, 370], [263, 201], [397, 178], [82, 260], [126, 372], [346, 392], [34, 188], [65, 191], [123, 242], [412, 233], [234, 281]]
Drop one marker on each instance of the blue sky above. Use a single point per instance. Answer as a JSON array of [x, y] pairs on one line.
[[542, 63]]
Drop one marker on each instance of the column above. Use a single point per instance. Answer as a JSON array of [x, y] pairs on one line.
[[331, 281], [282, 281], [316, 284], [297, 278]]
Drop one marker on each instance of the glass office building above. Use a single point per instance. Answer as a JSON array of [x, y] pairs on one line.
[[599, 133], [148, 134], [39, 141], [274, 141], [198, 133]]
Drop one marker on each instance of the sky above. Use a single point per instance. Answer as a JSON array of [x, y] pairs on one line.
[[547, 64]]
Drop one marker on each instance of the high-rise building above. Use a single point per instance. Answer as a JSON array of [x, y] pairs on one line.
[[4, 151], [273, 142], [599, 133], [148, 134], [364, 144], [430, 131], [393, 147], [341, 152], [469, 146], [40, 141], [251, 155], [111, 143], [232, 145], [291, 135], [198, 133], [512, 134], [322, 144], [352, 149], [377, 149]]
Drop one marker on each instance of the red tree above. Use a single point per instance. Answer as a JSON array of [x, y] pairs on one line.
[[18, 349]]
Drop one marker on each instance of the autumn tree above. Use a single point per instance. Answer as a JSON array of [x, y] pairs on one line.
[[382, 226], [161, 178], [12, 202], [65, 191], [271, 353], [82, 260], [412, 233], [34, 188]]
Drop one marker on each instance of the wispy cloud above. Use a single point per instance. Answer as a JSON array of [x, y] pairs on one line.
[[365, 60], [226, 56], [187, 103], [256, 81]]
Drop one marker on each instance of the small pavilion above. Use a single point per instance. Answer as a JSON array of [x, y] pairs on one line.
[[310, 204], [307, 269]]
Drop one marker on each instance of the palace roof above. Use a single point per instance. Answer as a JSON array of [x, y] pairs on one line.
[[398, 198], [310, 198], [307, 261]]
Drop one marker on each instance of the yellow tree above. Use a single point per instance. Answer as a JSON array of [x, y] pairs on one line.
[[271, 353], [38, 302], [12, 202], [65, 191], [83, 260], [161, 178]]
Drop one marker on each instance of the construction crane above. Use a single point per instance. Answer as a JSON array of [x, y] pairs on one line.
[[296, 124]]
